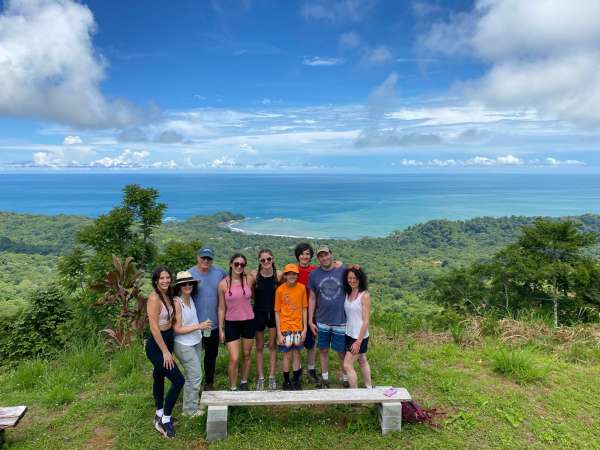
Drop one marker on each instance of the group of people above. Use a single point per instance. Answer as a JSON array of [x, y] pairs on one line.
[[301, 306]]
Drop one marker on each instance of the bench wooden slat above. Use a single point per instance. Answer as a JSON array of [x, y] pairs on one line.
[[9, 417], [306, 397]]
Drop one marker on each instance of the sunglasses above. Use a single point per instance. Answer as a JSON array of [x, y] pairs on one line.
[[188, 284], [239, 264], [267, 259], [206, 258]]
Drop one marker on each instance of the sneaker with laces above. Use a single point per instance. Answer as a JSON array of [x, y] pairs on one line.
[[244, 386], [312, 376], [169, 429], [272, 383], [158, 425], [345, 383], [260, 384]]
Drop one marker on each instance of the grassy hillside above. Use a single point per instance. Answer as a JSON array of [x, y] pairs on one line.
[[538, 392]]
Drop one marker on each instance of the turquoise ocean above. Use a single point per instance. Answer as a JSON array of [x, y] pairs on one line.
[[320, 205]]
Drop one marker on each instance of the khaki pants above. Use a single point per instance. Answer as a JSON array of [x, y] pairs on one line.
[[190, 358]]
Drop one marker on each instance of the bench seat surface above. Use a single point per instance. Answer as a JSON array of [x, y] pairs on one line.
[[9, 417], [305, 397]]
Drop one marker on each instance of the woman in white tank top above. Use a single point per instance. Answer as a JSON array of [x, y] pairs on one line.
[[188, 340], [358, 309]]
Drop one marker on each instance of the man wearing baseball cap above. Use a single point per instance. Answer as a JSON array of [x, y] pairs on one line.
[[326, 315], [206, 301]]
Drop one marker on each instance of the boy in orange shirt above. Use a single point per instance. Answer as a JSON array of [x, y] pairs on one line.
[[291, 306]]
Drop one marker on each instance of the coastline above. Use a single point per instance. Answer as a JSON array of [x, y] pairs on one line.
[[231, 225]]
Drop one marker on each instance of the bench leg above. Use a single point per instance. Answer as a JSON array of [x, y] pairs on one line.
[[216, 423], [390, 417]]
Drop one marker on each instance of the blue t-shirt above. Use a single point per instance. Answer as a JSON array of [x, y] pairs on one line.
[[328, 286], [206, 299]]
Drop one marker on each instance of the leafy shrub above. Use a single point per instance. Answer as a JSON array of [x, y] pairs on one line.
[[518, 364], [38, 330]]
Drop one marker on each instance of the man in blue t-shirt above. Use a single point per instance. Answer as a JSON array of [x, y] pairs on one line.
[[206, 301], [326, 315]]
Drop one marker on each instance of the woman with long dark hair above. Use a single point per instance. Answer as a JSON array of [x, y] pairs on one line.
[[267, 279], [358, 309], [159, 349], [236, 318]]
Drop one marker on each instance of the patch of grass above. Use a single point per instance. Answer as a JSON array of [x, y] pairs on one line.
[[29, 374], [85, 359], [58, 395], [521, 365]]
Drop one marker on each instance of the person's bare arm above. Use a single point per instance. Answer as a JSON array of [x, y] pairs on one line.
[[221, 310], [312, 302], [366, 314], [153, 310]]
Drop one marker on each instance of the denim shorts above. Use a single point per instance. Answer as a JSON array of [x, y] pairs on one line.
[[332, 336]]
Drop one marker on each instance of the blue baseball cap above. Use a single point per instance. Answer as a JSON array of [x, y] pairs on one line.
[[206, 252]]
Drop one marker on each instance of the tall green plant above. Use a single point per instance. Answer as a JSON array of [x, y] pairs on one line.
[[122, 288]]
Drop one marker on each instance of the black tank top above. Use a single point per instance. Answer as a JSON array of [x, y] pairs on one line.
[[264, 292]]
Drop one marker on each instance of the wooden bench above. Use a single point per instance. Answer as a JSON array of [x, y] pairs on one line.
[[390, 408], [9, 418]]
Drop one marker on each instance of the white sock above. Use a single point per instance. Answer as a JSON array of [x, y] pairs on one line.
[[369, 386], [244, 381], [166, 419], [344, 377], [160, 412], [311, 367], [325, 376]]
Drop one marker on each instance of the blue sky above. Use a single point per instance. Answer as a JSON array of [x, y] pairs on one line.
[[265, 85]]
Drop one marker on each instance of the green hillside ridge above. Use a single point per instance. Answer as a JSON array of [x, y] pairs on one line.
[[496, 381]]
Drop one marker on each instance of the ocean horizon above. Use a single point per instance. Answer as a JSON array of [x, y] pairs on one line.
[[317, 205]]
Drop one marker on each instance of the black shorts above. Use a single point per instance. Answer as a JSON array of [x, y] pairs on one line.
[[235, 329], [264, 319], [364, 345]]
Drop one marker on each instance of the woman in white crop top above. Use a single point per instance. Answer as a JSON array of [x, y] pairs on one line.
[[188, 340], [358, 308]]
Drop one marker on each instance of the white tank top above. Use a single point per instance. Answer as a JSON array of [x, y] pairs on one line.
[[188, 317], [354, 320]]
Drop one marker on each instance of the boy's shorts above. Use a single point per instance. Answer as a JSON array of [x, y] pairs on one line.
[[332, 336], [295, 340]]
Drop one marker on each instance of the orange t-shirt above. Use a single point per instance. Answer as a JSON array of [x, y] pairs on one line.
[[289, 303]]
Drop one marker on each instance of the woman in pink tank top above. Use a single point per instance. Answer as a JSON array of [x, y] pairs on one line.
[[236, 318]]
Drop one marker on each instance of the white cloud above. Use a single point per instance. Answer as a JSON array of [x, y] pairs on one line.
[[171, 164], [317, 61], [542, 54], [247, 148], [568, 162], [72, 140], [376, 56], [368, 55], [410, 163], [127, 159], [484, 161], [48, 159], [509, 160], [49, 67]]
